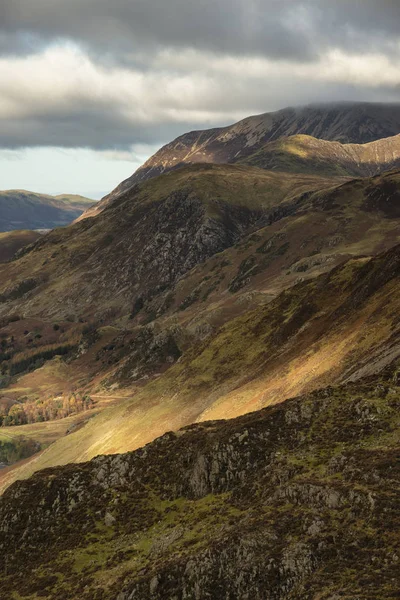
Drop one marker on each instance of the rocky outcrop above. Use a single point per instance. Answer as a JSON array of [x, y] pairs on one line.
[[293, 502]]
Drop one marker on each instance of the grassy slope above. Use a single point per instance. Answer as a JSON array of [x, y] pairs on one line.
[[310, 336], [305, 154]]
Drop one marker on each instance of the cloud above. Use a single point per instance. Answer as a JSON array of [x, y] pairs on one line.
[[294, 29], [112, 75]]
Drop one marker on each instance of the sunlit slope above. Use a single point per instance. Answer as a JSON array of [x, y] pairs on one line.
[[341, 325], [305, 154]]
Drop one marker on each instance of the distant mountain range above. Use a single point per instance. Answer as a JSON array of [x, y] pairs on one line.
[[20, 209]]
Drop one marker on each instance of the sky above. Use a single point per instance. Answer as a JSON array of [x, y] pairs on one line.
[[90, 88]]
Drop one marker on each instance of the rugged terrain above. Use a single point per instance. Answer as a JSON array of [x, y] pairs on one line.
[[298, 501], [20, 209], [148, 239], [126, 295], [341, 325], [208, 292]]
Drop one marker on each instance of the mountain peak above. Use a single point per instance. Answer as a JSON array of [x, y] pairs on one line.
[[345, 122]]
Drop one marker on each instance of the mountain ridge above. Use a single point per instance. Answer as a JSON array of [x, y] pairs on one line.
[[344, 122]]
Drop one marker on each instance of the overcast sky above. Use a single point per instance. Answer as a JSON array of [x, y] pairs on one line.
[[90, 88]]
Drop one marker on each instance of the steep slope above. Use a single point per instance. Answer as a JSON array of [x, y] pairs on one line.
[[20, 209], [340, 326], [11, 242], [147, 240], [131, 257], [357, 123], [297, 501], [358, 217], [305, 154]]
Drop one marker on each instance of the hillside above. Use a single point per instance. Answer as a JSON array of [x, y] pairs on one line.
[[342, 325], [12, 241], [136, 256], [357, 123], [110, 304], [144, 243], [296, 501], [20, 209]]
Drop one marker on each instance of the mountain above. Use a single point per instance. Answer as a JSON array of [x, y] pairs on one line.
[[210, 292], [357, 123], [297, 501], [13, 241], [139, 256], [20, 209]]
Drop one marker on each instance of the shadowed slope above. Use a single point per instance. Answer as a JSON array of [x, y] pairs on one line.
[[149, 238], [12, 241]]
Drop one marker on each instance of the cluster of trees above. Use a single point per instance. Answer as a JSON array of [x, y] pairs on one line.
[[50, 409], [16, 449]]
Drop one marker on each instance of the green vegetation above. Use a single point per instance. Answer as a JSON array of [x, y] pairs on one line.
[[13, 449]]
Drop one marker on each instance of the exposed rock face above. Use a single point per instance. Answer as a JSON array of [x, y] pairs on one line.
[[357, 123], [296, 501], [154, 234]]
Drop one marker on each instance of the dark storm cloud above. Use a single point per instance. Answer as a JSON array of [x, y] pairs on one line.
[[274, 28], [100, 131], [108, 74], [119, 26]]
